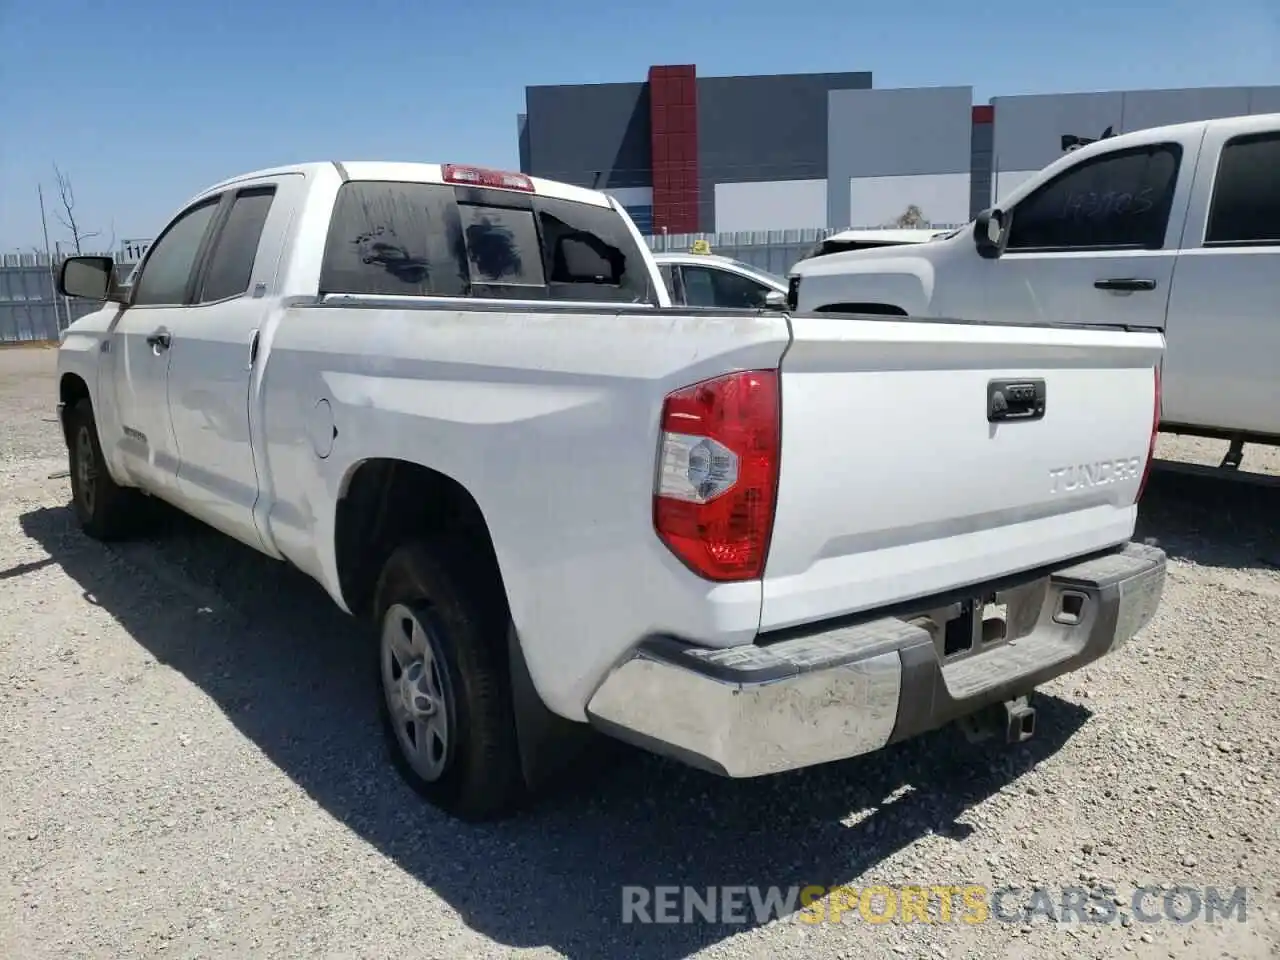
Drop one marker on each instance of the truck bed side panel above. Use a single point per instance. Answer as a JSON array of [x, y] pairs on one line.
[[550, 420]]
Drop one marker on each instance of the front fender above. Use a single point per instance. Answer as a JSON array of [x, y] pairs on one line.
[[81, 354]]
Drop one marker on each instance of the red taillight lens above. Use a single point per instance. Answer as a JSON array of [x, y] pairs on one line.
[[1151, 450], [717, 478]]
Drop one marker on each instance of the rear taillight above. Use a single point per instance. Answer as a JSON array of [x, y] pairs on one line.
[[480, 177], [717, 477], [1151, 450]]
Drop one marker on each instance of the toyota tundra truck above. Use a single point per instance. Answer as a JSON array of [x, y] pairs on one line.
[[751, 540]]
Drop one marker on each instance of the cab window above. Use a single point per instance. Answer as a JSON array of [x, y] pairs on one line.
[[165, 276], [709, 287], [426, 239], [1118, 200], [1246, 193]]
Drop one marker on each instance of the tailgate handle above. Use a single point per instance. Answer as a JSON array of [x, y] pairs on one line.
[[1125, 284], [1015, 400]]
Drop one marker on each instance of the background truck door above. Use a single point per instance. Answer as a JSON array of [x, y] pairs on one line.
[[1224, 309], [1094, 244]]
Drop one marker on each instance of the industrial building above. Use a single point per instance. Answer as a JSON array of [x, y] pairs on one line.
[[689, 154]]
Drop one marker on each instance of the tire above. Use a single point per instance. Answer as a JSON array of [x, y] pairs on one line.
[[445, 693], [106, 511]]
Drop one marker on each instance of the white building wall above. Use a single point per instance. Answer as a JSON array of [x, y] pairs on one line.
[[1010, 180], [770, 205], [941, 197]]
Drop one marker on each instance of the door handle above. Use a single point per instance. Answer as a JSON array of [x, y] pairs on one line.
[[1125, 284], [159, 340], [253, 350], [1015, 400]]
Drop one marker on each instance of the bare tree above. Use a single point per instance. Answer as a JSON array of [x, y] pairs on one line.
[[67, 215], [911, 218]]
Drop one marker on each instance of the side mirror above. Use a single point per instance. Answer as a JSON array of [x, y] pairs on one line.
[[989, 233], [91, 278], [775, 300]]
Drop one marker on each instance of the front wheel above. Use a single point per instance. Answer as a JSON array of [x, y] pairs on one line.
[[105, 510], [446, 703]]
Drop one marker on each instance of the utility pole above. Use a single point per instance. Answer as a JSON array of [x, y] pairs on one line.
[[53, 286]]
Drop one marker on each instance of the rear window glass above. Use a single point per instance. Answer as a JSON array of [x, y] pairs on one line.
[[414, 239], [502, 246], [395, 239]]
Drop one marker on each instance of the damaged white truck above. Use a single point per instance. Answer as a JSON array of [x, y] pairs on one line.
[[461, 401]]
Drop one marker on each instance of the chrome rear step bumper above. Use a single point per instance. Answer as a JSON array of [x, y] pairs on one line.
[[764, 708]]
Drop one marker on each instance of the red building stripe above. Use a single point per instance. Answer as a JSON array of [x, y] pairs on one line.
[[673, 114], [984, 114]]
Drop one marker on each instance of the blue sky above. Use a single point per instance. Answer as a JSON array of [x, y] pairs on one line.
[[142, 103]]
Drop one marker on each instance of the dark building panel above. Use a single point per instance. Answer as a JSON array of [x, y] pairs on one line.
[[673, 99], [763, 128], [577, 132], [522, 138], [1264, 99]]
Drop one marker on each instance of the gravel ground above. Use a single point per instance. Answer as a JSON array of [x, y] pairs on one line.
[[190, 767]]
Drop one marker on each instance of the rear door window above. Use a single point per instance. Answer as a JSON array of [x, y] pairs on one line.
[[1246, 192], [231, 263], [415, 239]]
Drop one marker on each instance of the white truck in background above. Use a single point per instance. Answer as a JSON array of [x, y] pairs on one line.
[[460, 400], [1174, 228]]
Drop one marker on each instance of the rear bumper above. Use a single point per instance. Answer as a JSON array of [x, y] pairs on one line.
[[817, 697]]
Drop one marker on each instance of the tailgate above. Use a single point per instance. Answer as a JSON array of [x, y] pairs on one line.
[[894, 484]]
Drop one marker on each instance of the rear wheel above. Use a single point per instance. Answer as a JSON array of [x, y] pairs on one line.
[[105, 510], [446, 703]]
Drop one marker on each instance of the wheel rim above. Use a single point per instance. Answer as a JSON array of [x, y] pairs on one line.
[[414, 685], [86, 469]]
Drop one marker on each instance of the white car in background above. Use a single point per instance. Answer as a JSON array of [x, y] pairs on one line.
[[707, 280]]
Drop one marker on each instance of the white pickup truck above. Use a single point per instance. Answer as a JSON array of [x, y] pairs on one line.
[[460, 400], [1173, 228]]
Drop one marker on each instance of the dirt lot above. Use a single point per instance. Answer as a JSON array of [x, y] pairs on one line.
[[190, 767]]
